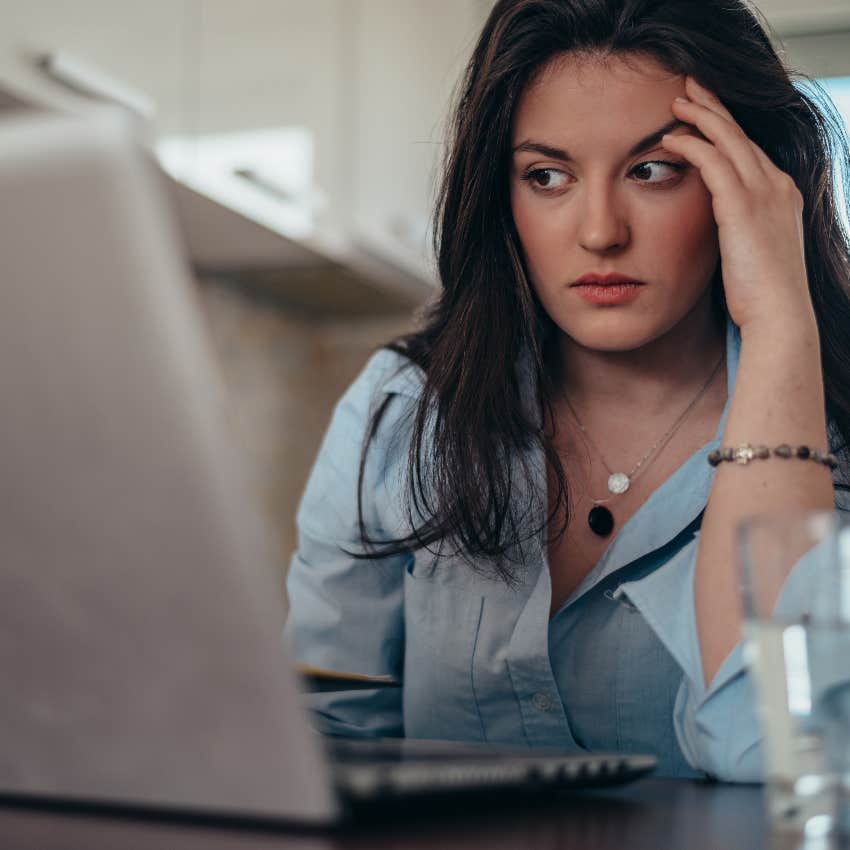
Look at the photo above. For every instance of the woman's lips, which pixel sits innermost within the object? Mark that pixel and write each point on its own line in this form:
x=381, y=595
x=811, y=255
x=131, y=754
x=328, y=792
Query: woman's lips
x=610, y=293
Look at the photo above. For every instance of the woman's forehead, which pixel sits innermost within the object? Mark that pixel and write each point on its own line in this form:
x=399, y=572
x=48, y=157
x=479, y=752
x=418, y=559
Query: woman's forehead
x=589, y=68
x=587, y=100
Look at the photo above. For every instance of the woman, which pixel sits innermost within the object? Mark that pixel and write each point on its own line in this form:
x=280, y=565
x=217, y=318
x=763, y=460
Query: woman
x=513, y=509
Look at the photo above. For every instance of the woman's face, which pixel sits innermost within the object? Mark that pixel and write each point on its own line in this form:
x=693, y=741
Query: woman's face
x=586, y=200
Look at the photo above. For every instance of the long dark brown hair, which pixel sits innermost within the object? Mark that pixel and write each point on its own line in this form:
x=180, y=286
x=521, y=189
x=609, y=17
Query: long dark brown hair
x=471, y=431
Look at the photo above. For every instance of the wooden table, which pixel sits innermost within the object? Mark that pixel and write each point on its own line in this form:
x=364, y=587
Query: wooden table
x=655, y=814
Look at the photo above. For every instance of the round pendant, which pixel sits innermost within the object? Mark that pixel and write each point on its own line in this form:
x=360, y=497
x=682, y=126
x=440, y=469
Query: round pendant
x=600, y=520
x=618, y=482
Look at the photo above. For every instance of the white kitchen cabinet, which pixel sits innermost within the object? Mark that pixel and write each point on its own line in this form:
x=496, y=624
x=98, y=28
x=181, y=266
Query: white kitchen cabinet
x=368, y=82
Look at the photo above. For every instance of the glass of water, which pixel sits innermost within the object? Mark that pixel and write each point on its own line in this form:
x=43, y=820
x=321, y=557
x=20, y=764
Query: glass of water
x=795, y=573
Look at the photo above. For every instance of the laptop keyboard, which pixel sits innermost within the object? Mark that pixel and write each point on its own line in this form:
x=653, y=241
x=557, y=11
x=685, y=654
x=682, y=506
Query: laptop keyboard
x=389, y=767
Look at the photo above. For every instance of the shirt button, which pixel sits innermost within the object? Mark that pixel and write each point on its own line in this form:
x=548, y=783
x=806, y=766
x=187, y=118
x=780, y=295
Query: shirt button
x=542, y=702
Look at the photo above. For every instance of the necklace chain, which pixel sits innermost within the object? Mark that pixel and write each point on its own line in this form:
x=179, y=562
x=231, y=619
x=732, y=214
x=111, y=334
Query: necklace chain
x=659, y=444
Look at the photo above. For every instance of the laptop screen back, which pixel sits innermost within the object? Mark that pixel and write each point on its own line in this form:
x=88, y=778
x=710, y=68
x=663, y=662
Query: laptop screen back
x=140, y=611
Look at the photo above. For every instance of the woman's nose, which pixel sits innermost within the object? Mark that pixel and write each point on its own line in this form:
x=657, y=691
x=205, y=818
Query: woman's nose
x=603, y=222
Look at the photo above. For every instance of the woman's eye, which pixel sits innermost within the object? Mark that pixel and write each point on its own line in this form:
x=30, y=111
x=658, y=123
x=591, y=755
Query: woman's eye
x=645, y=170
x=547, y=179
x=654, y=173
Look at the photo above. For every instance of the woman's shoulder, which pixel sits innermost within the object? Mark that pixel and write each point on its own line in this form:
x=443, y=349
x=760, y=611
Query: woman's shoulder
x=388, y=372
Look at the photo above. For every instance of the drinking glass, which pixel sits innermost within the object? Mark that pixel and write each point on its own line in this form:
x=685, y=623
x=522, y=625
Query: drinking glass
x=795, y=573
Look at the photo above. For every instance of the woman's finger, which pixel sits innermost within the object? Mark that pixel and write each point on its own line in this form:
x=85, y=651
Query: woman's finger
x=701, y=94
x=727, y=136
x=716, y=170
x=696, y=91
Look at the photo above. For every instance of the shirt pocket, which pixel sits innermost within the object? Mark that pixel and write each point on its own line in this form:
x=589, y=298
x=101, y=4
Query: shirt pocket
x=442, y=613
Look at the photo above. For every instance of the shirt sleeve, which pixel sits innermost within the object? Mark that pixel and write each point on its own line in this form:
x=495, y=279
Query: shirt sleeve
x=717, y=726
x=346, y=613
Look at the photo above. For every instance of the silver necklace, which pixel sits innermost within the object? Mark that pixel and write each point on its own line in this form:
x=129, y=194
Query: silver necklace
x=600, y=519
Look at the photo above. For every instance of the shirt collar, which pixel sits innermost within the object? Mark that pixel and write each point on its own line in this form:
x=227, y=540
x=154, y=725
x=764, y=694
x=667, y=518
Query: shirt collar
x=674, y=506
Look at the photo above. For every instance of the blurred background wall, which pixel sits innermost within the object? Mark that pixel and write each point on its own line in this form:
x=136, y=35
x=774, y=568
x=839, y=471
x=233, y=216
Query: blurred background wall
x=319, y=252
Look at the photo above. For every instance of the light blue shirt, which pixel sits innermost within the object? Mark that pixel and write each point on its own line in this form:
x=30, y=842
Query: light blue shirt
x=617, y=668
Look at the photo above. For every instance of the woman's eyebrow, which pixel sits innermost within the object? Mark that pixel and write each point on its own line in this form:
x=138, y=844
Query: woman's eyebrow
x=654, y=138
x=558, y=153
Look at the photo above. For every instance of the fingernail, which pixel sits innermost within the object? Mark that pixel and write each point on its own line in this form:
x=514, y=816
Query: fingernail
x=683, y=100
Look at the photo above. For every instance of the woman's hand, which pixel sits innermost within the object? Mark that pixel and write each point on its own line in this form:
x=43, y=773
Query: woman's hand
x=759, y=215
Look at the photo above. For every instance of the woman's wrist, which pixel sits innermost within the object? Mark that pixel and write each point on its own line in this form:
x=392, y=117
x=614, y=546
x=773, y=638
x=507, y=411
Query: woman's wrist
x=784, y=325
x=779, y=391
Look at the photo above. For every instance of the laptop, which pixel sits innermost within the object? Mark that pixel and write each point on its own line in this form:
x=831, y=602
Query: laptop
x=141, y=610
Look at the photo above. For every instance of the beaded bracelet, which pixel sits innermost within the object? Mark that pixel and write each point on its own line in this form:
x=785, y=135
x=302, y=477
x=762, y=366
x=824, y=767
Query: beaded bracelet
x=745, y=453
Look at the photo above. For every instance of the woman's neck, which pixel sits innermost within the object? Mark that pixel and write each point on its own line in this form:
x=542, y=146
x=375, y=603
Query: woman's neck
x=646, y=382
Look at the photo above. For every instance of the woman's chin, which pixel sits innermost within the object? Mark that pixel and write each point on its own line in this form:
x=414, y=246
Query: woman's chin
x=616, y=338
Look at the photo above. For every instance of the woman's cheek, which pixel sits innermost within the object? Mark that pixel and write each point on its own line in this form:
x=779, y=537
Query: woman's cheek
x=528, y=233
x=683, y=231
x=545, y=243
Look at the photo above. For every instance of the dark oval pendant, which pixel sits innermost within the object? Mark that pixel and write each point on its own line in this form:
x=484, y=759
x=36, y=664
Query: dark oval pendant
x=600, y=520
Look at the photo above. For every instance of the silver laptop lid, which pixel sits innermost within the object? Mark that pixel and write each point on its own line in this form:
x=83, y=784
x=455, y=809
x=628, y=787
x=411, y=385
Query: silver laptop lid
x=140, y=611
